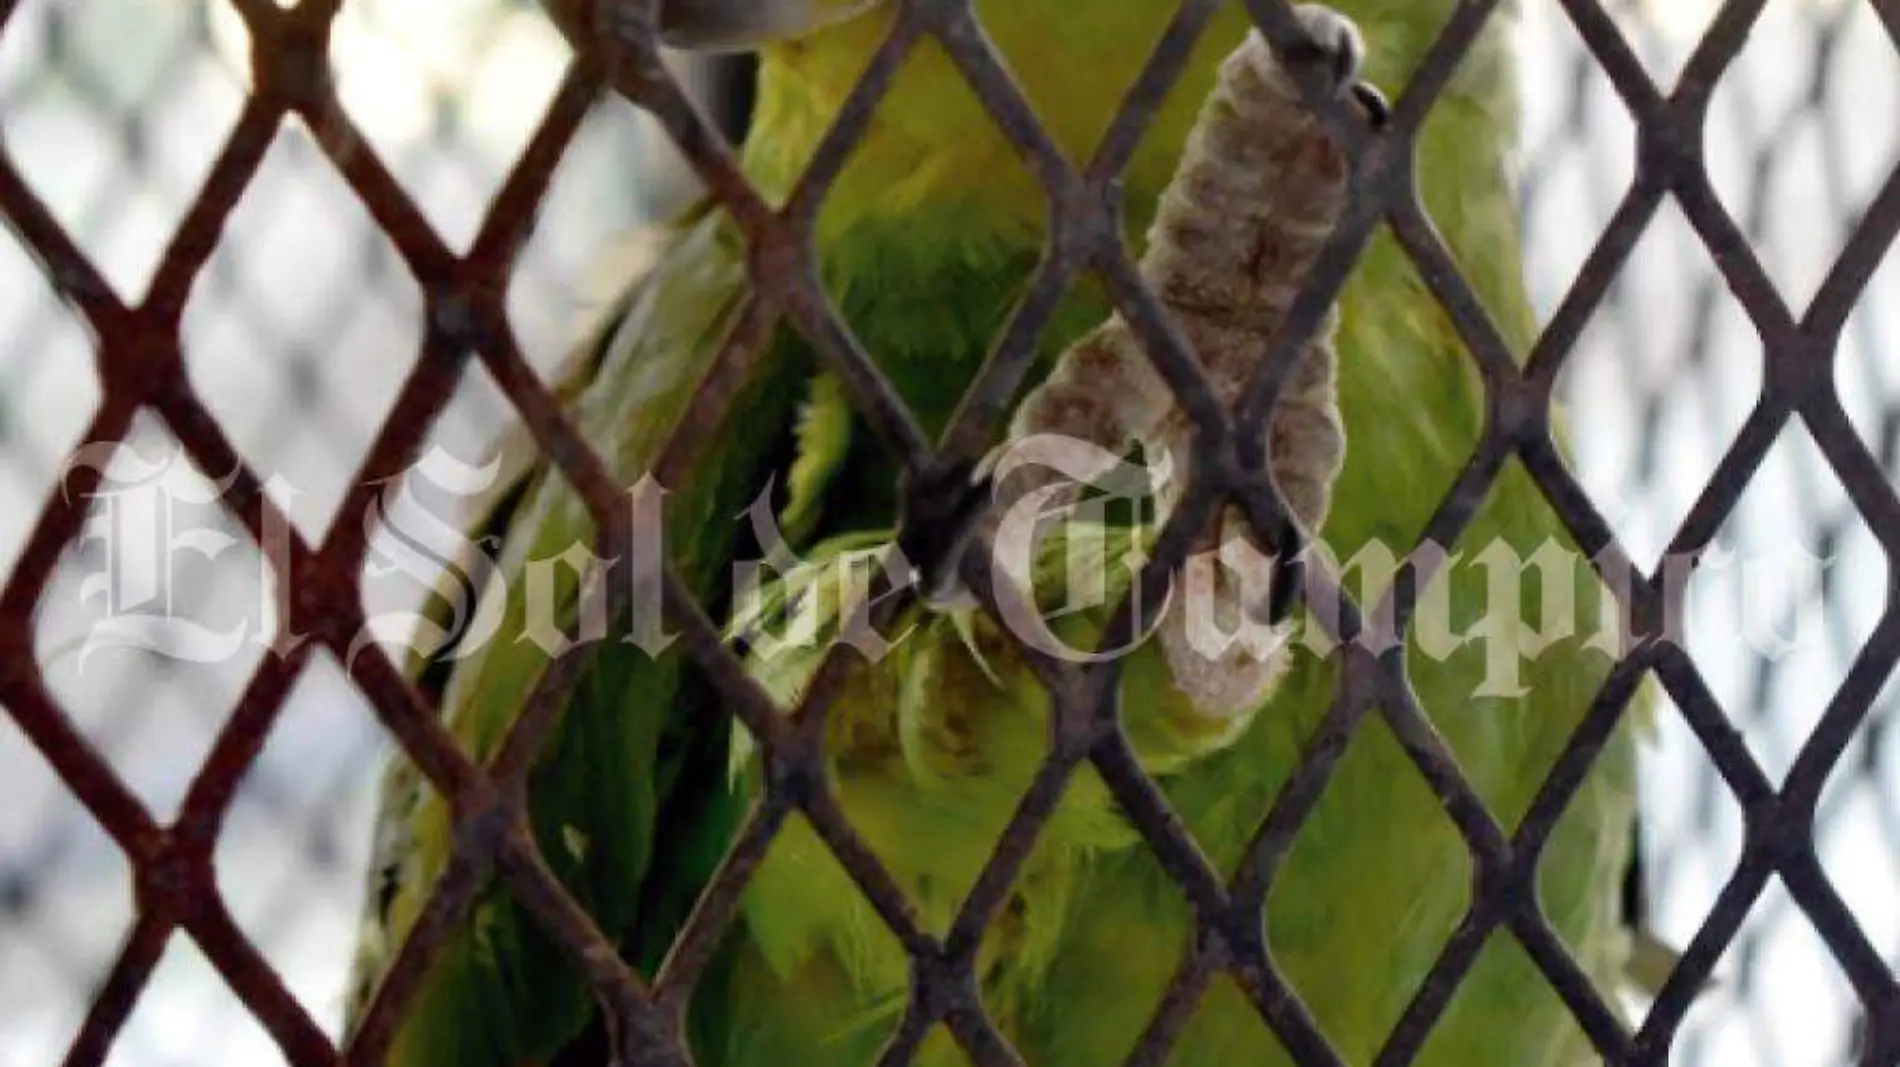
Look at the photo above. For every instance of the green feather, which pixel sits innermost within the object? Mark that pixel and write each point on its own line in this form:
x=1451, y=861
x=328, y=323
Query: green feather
x=927, y=242
x=824, y=440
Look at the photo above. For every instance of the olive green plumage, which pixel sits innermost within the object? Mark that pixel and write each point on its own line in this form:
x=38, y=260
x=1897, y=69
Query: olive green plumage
x=926, y=243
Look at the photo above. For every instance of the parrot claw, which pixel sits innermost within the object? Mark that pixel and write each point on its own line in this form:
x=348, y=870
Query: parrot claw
x=1221, y=676
x=949, y=598
x=1333, y=42
x=963, y=621
x=943, y=509
x=1373, y=102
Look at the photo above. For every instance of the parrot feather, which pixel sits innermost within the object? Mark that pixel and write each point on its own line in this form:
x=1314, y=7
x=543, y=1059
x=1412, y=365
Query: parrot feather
x=927, y=242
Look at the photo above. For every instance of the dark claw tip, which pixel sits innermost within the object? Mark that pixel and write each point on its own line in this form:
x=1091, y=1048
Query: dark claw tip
x=942, y=512
x=1373, y=102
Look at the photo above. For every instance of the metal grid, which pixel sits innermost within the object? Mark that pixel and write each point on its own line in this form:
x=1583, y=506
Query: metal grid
x=141, y=366
x=1663, y=380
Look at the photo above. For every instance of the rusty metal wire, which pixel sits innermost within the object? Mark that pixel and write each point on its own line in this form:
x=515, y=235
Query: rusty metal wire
x=466, y=328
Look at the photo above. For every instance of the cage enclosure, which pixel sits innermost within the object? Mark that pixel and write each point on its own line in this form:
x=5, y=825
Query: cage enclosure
x=273, y=279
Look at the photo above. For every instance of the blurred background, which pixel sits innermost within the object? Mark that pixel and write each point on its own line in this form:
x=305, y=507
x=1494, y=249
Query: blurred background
x=305, y=323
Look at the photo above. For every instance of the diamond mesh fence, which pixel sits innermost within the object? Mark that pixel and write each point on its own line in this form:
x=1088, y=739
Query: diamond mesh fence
x=257, y=275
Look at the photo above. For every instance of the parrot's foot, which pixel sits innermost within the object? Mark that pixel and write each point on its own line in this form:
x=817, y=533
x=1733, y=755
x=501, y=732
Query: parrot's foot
x=1333, y=44
x=1336, y=47
x=943, y=510
x=1221, y=645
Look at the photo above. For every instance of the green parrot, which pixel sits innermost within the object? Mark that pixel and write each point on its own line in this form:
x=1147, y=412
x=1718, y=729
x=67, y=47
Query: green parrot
x=926, y=243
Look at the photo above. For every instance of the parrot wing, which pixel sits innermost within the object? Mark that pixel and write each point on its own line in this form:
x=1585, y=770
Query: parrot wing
x=637, y=766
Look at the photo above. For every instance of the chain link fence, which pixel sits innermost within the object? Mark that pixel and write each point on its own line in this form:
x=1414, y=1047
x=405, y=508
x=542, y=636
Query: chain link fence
x=129, y=126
